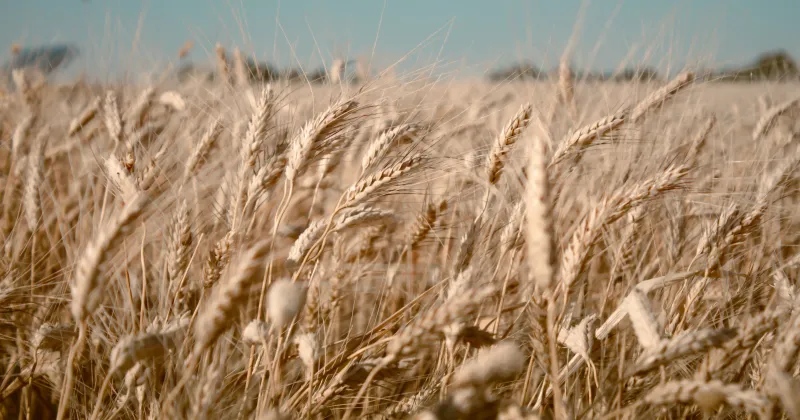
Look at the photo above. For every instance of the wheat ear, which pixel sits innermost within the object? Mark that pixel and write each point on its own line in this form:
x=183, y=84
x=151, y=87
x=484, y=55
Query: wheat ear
x=216, y=315
x=540, y=239
x=686, y=344
x=585, y=136
x=378, y=148
x=311, y=138
x=766, y=122
x=707, y=395
x=85, y=117
x=505, y=141
x=112, y=118
x=660, y=96
x=195, y=161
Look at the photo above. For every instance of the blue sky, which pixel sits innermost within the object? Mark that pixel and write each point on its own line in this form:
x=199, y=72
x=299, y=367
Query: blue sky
x=461, y=37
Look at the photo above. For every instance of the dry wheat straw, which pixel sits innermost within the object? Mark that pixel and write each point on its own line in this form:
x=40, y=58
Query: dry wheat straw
x=263, y=181
x=133, y=349
x=241, y=74
x=786, y=388
x=699, y=140
x=53, y=337
x=178, y=250
x=608, y=211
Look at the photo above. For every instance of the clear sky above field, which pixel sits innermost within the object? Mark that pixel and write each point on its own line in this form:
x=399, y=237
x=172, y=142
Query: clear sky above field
x=465, y=37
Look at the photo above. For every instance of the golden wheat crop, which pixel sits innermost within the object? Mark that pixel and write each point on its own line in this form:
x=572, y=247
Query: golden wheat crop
x=399, y=248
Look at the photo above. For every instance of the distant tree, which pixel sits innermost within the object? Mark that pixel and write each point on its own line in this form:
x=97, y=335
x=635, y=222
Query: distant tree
x=522, y=71
x=261, y=70
x=188, y=72
x=46, y=59
x=641, y=74
x=526, y=71
x=775, y=65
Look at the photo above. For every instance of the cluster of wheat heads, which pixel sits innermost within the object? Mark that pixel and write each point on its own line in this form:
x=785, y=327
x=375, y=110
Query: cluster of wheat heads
x=404, y=249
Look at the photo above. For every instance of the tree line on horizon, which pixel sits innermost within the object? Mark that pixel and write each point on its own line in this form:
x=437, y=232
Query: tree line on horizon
x=771, y=66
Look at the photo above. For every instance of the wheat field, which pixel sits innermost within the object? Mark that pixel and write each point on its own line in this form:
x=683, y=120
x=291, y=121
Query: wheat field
x=399, y=248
